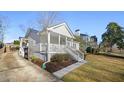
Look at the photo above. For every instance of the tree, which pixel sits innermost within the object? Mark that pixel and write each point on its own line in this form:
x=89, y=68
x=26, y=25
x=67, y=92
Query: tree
x=23, y=27
x=112, y=35
x=81, y=42
x=120, y=44
x=16, y=42
x=3, y=26
x=106, y=40
x=47, y=19
x=1, y=44
x=120, y=41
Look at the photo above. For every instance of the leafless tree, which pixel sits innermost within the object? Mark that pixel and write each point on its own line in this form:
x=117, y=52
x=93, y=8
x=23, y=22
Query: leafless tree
x=47, y=19
x=3, y=27
x=23, y=27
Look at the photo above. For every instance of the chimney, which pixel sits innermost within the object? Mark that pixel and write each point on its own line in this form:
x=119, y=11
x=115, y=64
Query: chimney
x=77, y=32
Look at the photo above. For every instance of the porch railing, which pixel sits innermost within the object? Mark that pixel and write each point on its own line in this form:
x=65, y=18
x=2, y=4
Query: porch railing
x=57, y=47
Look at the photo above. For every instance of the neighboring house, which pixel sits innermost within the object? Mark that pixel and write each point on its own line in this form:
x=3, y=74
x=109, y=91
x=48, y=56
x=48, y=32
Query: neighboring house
x=77, y=32
x=55, y=39
x=9, y=44
x=89, y=41
x=84, y=37
x=93, y=42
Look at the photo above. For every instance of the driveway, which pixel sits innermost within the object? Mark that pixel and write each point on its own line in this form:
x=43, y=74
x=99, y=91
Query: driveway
x=14, y=68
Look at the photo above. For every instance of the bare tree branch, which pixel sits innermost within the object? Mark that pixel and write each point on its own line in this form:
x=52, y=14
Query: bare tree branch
x=23, y=27
x=3, y=27
x=47, y=19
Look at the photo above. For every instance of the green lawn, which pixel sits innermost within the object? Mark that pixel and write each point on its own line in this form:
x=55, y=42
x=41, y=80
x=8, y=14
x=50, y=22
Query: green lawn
x=99, y=68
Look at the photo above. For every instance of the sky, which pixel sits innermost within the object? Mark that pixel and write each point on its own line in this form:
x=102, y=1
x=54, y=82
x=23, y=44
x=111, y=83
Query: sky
x=91, y=23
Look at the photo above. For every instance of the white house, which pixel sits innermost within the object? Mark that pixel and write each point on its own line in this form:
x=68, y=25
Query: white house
x=55, y=39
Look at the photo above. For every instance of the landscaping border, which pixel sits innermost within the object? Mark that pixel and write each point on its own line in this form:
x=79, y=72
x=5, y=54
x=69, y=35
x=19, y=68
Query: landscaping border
x=111, y=55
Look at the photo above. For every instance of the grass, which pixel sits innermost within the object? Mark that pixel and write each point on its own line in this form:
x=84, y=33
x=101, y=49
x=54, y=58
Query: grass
x=99, y=68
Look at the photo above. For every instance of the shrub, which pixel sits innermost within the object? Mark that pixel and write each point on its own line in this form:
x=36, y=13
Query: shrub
x=96, y=51
x=59, y=61
x=14, y=48
x=33, y=58
x=89, y=50
x=60, y=58
x=16, y=42
x=66, y=57
x=92, y=50
x=37, y=61
x=56, y=58
x=17, y=47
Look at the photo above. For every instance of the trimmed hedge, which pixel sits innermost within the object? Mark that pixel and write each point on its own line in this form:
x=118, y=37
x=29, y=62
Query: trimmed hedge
x=59, y=61
x=60, y=58
x=92, y=50
x=89, y=49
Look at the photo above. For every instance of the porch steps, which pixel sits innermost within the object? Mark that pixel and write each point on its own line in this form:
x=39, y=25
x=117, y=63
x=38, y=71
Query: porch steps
x=75, y=54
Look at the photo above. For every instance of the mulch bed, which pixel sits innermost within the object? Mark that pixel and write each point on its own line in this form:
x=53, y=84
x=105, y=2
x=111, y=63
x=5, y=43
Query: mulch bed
x=55, y=66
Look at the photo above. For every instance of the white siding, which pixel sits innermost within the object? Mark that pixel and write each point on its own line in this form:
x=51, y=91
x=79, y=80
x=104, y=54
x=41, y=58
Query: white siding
x=62, y=30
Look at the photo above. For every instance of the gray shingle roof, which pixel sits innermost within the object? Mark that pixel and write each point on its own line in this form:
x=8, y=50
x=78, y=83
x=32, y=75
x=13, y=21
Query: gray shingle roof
x=34, y=34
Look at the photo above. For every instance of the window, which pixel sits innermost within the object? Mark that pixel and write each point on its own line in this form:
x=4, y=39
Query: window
x=62, y=40
x=74, y=45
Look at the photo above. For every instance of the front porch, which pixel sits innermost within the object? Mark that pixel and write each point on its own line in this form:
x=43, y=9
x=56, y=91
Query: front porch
x=55, y=43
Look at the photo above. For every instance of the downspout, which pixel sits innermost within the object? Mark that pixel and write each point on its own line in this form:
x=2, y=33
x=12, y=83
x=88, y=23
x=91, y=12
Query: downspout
x=43, y=66
x=47, y=51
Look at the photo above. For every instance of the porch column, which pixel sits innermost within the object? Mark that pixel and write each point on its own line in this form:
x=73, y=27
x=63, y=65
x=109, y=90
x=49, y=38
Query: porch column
x=59, y=40
x=40, y=46
x=48, y=45
x=66, y=41
x=71, y=42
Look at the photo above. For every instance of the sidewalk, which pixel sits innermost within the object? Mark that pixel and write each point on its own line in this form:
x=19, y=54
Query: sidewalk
x=59, y=74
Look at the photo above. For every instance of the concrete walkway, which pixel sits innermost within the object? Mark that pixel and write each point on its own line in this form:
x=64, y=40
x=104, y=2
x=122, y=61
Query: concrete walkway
x=13, y=68
x=59, y=74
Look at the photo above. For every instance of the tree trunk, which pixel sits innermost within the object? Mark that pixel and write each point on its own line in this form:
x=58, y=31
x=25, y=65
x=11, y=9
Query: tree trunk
x=110, y=49
x=120, y=50
x=105, y=49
